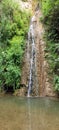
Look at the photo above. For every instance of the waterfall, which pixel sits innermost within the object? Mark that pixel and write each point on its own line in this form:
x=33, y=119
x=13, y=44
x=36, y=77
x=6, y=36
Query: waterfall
x=31, y=55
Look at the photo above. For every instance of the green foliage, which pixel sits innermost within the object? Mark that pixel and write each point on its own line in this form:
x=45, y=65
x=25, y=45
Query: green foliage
x=25, y=0
x=56, y=82
x=13, y=33
x=51, y=20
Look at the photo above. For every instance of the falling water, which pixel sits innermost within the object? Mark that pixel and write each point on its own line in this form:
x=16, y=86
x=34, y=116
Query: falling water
x=31, y=56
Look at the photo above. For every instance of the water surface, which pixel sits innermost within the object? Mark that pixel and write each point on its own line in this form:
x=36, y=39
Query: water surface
x=29, y=113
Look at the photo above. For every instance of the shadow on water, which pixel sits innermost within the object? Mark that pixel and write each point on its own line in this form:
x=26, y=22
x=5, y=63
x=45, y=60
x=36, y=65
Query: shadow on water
x=29, y=113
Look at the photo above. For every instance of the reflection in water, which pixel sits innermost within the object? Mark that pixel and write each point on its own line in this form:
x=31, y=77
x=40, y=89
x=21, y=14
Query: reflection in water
x=29, y=114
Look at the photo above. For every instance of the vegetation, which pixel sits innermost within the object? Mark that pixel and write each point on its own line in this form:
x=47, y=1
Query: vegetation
x=51, y=20
x=13, y=33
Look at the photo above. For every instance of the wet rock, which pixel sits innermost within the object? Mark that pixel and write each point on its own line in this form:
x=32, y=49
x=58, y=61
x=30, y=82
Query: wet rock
x=21, y=92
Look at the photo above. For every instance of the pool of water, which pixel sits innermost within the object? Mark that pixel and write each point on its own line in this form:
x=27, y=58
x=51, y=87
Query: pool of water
x=29, y=113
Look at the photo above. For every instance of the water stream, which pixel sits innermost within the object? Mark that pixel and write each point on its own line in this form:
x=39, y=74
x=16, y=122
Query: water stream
x=31, y=55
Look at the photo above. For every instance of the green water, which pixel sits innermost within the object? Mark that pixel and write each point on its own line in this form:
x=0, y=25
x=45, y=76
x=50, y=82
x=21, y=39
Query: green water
x=29, y=114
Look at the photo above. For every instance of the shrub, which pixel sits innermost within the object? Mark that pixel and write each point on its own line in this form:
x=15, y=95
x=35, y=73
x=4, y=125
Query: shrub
x=13, y=34
x=51, y=20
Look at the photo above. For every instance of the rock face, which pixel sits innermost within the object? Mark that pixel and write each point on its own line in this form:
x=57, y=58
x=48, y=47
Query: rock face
x=20, y=92
x=42, y=85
